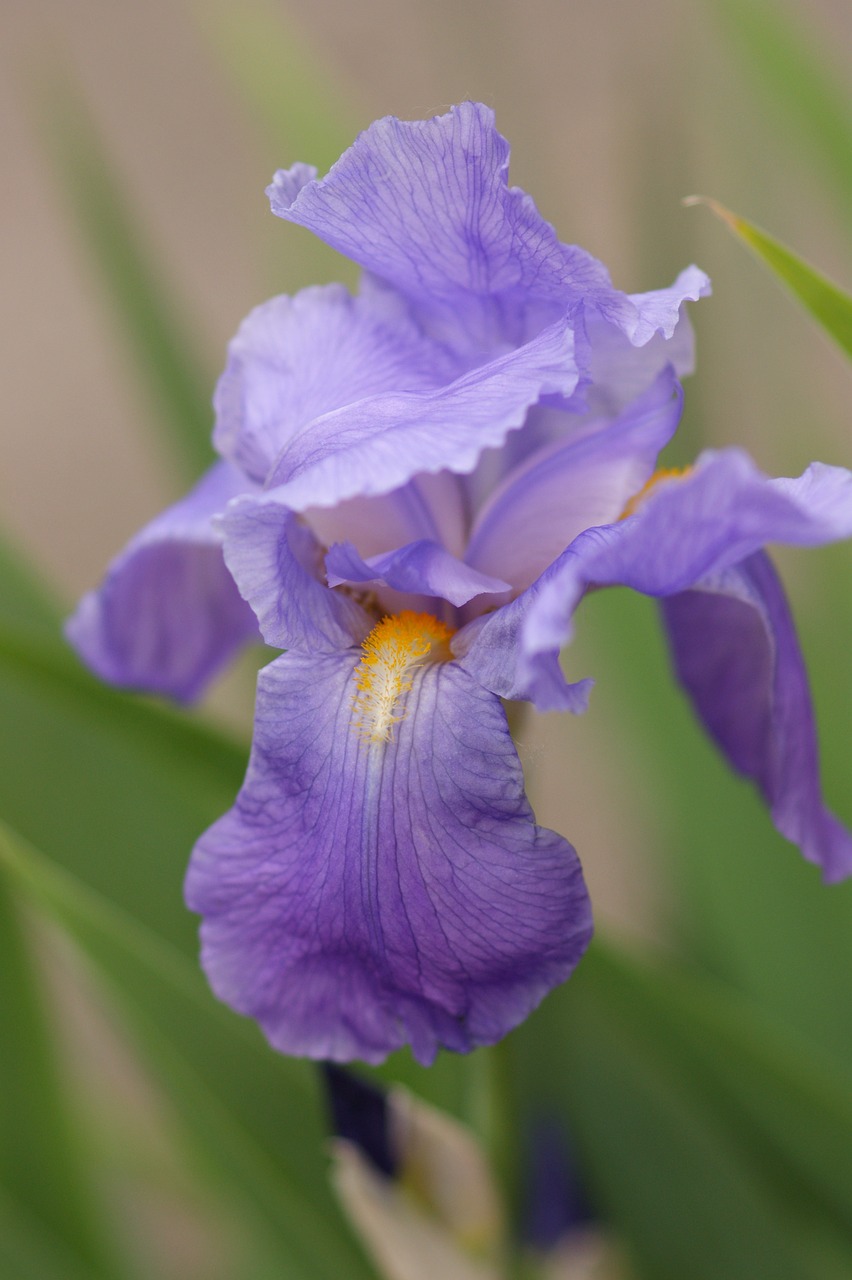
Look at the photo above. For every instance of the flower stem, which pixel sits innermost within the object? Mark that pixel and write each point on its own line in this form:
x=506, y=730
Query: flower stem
x=493, y=1116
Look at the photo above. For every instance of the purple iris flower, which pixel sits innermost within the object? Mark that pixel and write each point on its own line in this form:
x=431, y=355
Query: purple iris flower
x=418, y=484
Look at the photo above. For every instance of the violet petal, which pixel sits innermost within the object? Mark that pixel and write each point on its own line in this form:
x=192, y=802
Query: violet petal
x=168, y=615
x=735, y=650
x=277, y=564
x=360, y=896
x=421, y=568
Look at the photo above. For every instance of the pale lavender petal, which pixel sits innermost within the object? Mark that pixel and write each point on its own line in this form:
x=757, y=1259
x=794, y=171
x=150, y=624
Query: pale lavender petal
x=491, y=649
x=427, y=507
x=277, y=564
x=168, y=615
x=571, y=486
x=363, y=896
x=446, y=497
x=620, y=371
x=659, y=312
x=735, y=650
x=425, y=205
x=380, y=443
x=613, y=374
x=686, y=529
x=289, y=182
x=295, y=359
x=420, y=568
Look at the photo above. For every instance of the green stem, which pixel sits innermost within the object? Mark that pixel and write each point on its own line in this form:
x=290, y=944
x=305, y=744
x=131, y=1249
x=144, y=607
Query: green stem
x=492, y=1114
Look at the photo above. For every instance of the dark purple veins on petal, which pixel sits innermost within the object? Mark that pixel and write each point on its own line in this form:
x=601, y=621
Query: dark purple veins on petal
x=361, y=896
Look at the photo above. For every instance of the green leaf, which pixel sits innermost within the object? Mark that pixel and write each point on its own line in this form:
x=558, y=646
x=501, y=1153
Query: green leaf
x=290, y=90
x=301, y=113
x=788, y=1110
x=255, y=1115
x=44, y=1172
x=780, y=55
x=27, y=1251
x=25, y=601
x=114, y=787
x=157, y=338
x=116, y=790
x=749, y=909
x=828, y=304
x=684, y=1139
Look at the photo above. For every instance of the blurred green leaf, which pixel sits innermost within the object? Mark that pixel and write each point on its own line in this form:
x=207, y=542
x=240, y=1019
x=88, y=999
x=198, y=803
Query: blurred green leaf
x=451, y=1083
x=790, y=1112
x=295, y=99
x=675, y=1105
x=157, y=338
x=780, y=55
x=44, y=1172
x=828, y=304
x=292, y=93
x=130, y=786
x=255, y=1115
x=28, y=1253
x=25, y=601
x=749, y=909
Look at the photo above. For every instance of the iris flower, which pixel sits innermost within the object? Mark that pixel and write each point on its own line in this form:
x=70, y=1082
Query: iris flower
x=417, y=485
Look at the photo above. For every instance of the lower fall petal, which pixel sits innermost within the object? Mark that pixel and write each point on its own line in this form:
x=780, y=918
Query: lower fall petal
x=683, y=531
x=168, y=615
x=364, y=894
x=735, y=651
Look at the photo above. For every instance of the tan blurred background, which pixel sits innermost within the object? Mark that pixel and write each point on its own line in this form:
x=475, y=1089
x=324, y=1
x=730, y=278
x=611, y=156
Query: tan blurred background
x=615, y=110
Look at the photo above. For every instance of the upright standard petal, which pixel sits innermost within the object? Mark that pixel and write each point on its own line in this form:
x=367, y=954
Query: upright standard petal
x=659, y=311
x=368, y=892
x=586, y=480
x=426, y=206
x=619, y=369
x=381, y=443
x=168, y=616
x=734, y=648
x=429, y=506
x=295, y=359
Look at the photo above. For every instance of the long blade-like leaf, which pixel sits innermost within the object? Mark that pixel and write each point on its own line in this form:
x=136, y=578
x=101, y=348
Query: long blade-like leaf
x=28, y=1251
x=44, y=1171
x=830, y=305
x=687, y=1161
x=25, y=601
x=301, y=115
x=292, y=94
x=114, y=787
x=229, y=1089
x=792, y=1112
x=157, y=338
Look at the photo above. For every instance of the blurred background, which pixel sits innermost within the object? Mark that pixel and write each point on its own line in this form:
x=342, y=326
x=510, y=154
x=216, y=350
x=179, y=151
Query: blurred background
x=615, y=111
